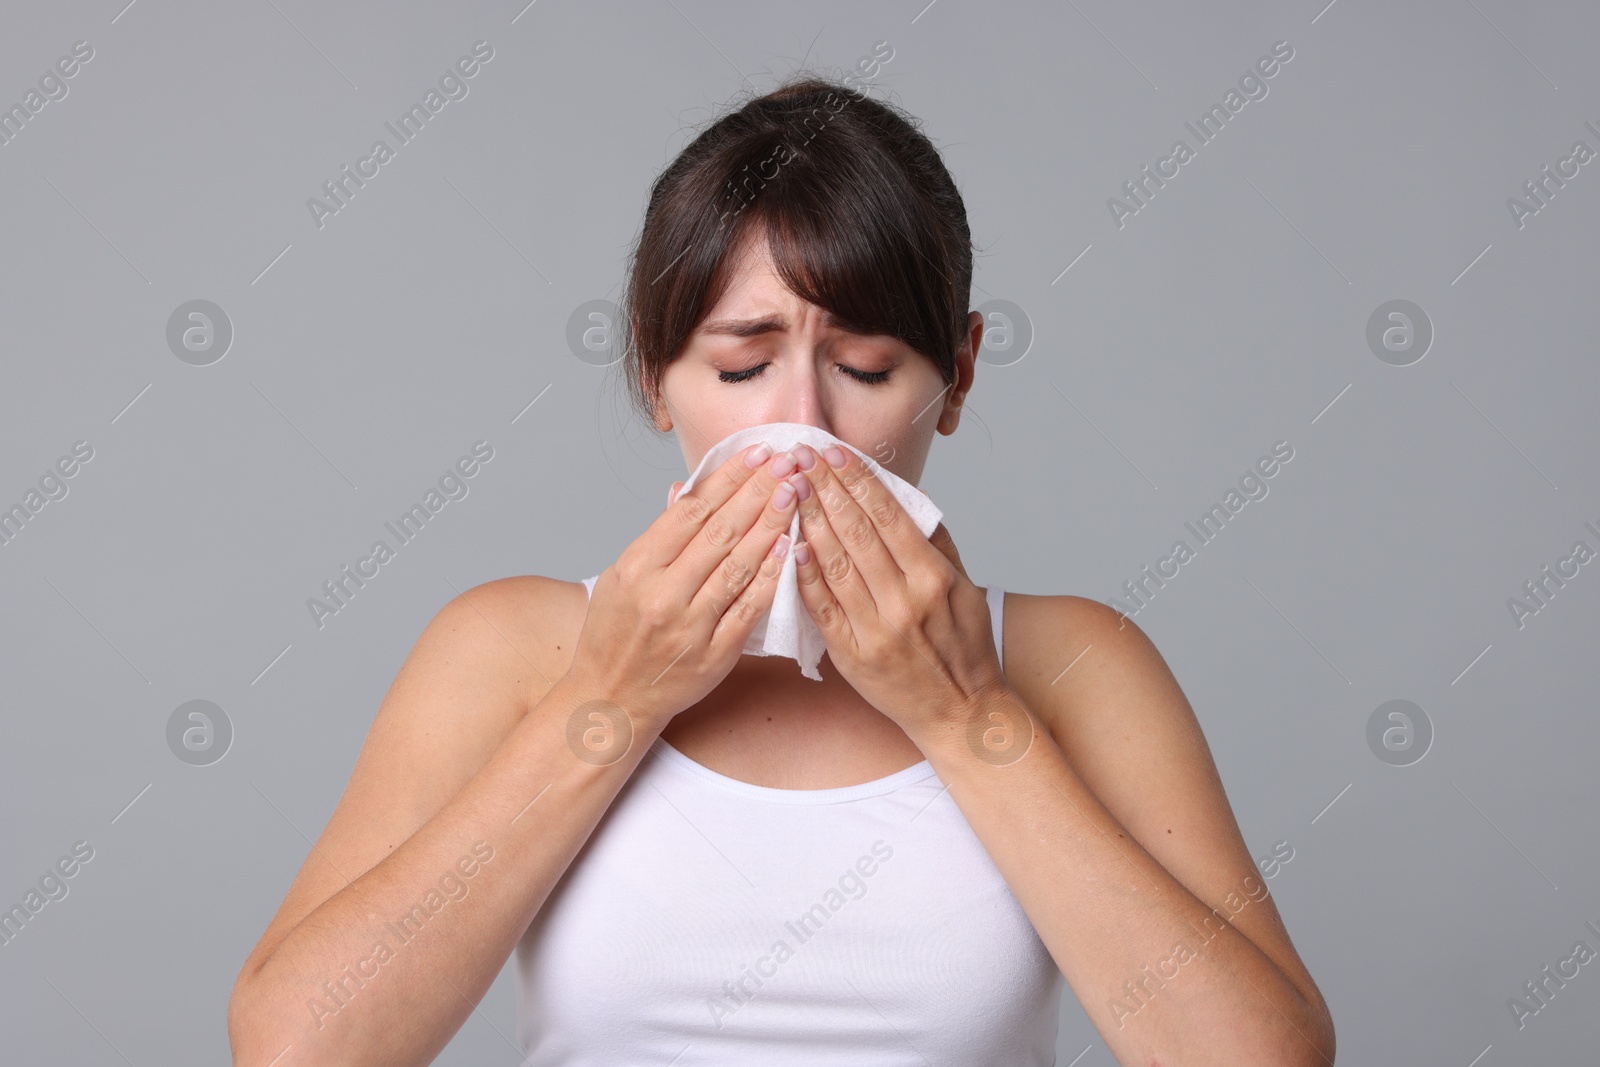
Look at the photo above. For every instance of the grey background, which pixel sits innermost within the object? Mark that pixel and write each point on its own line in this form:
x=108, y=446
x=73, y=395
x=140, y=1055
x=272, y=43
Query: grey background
x=1230, y=313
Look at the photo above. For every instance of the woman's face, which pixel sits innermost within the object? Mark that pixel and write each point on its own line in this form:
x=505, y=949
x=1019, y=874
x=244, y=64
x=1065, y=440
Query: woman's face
x=763, y=354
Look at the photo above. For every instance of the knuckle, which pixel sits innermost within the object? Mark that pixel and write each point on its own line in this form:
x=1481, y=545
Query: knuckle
x=774, y=521
x=735, y=574
x=654, y=612
x=826, y=617
x=694, y=509
x=744, y=609
x=761, y=482
x=837, y=569
x=770, y=566
x=855, y=483
x=761, y=569
x=857, y=534
x=719, y=531
x=735, y=475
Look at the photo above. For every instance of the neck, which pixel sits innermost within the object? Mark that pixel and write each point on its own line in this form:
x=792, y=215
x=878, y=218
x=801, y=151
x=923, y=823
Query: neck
x=763, y=687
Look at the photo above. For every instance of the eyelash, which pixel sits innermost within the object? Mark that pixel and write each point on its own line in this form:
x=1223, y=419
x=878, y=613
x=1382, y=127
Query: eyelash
x=877, y=377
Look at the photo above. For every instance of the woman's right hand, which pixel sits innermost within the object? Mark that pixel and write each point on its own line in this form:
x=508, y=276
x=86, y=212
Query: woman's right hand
x=668, y=621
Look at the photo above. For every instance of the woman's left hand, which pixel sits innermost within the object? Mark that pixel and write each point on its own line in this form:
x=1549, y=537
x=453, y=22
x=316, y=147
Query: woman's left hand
x=903, y=623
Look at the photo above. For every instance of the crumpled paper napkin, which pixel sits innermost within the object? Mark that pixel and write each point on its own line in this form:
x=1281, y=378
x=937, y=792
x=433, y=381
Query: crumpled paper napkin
x=787, y=629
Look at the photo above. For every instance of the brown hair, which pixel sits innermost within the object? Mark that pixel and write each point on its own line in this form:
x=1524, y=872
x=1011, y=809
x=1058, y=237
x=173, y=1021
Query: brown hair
x=862, y=218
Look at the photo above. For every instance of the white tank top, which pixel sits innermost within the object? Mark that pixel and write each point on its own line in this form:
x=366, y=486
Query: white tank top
x=709, y=921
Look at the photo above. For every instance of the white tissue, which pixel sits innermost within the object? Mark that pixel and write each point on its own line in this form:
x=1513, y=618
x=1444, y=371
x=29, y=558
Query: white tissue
x=788, y=630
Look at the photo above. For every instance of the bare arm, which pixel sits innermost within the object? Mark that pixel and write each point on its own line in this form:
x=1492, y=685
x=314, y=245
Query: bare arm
x=381, y=950
x=1116, y=836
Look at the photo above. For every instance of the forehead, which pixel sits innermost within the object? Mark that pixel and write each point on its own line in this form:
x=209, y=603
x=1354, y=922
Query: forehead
x=757, y=300
x=751, y=272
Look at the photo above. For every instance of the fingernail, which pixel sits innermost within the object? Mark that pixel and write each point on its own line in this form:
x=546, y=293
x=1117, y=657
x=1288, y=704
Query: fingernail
x=783, y=496
x=782, y=465
x=757, y=456
x=802, y=553
x=802, y=485
x=781, y=547
x=835, y=456
x=805, y=457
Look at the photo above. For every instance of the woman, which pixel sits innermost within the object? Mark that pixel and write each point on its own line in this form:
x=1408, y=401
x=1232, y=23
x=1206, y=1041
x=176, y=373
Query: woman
x=701, y=857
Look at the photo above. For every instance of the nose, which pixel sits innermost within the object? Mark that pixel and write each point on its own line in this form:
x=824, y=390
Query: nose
x=800, y=400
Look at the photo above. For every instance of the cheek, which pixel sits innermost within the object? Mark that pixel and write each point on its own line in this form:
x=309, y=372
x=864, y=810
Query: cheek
x=900, y=424
x=891, y=440
x=886, y=449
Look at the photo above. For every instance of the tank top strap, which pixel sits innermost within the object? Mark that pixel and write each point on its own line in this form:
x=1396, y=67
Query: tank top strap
x=997, y=611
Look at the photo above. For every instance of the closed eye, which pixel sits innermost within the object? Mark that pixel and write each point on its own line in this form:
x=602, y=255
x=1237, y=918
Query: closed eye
x=866, y=377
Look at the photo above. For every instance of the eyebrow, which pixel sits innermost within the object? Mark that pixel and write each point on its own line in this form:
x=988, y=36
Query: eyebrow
x=770, y=324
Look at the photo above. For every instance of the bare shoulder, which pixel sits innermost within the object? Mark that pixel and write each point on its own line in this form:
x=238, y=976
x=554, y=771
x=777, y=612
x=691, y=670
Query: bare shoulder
x=524, y=624
x=1109, y=699
x=1047, y=638
x=486, y=657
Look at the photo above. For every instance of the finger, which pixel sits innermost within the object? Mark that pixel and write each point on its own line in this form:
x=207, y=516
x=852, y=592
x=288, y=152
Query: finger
x=741, y=560
x=831, y=564
x=693, y=508
x=708, y=560
x=672, y=494
x=820, y=603
x=901, y=536
x=854, y=503
x=755, y=600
